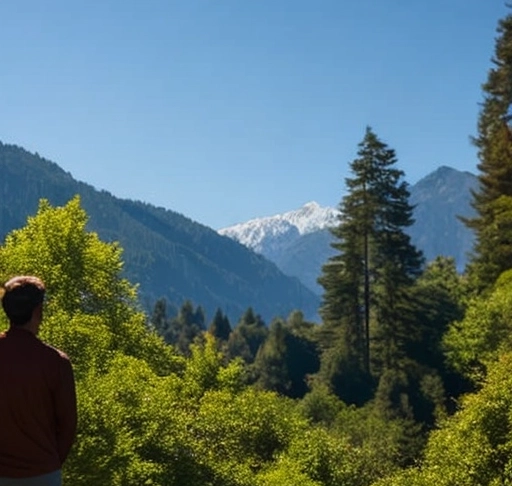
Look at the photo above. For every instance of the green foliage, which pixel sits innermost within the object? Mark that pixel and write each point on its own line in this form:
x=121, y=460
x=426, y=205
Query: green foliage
x=87, y=339
x=323, y=457
x=220, y=326
x=340, y=371
x=270, y=363
x=248, y=430
x=334, y=458
x=149, y=416
x=303, y=353
x=476, y=341
x=376, y=444
x=91, y=310
x=182, y=330
x=82, y=273
x=366, y=282
x=320, y=405
x=159, y=318
x=206, y=370
x=420, y=382
x=381, y=443
x=286, y=358
x=493, y=201
x=247, y=337
x=474, y=447
x=285, y=472
x=114, y=427
x=439, y=296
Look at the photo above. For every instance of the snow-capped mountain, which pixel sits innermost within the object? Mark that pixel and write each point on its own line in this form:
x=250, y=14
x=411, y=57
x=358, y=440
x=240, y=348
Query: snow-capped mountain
x=271, y=234
x=298, y=242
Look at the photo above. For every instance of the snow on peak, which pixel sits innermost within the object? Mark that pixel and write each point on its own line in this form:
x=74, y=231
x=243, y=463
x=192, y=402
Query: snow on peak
x=311, y=217
x=257, y=233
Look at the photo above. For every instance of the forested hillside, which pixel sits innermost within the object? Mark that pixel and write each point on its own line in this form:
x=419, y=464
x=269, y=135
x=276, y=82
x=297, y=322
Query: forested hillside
x=167, y=254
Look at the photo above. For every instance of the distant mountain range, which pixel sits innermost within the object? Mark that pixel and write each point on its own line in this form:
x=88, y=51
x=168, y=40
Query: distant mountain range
x=272, y=266
x=298, y=241
x=167, y=254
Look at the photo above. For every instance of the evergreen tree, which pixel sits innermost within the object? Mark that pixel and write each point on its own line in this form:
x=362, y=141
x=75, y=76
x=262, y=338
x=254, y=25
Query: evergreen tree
x=365, y=283
x=248, y=336
x=287, y=357
x=270, y=363
x=303, y=353
x=220, y=326
x=185, y=327
x=199, y=318
x=492, y=252
x=158, y=317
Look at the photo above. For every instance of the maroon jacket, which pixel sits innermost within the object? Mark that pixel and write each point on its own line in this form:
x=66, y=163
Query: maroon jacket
x=37, y=405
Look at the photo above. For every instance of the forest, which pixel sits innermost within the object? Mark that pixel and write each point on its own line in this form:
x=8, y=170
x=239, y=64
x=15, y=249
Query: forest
x=405, y=381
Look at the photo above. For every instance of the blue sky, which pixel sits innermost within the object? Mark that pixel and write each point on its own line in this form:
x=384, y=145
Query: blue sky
x=227, y=110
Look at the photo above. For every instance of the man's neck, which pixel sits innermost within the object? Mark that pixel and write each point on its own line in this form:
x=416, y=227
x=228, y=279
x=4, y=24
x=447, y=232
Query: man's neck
x=30, y=327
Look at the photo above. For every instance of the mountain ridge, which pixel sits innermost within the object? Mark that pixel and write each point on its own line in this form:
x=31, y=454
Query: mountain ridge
x=165, y=252
x=438, y=198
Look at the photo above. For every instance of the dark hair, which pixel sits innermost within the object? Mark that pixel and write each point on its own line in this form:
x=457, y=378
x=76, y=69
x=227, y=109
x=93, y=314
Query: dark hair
x=21, y=295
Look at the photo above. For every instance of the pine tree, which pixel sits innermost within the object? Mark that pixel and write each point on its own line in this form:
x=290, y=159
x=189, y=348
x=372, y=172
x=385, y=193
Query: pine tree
x=270, y=363
x=248, y=336
x=220, y=326
x=366, y=281
x=158, y=317
x=287, y=357
x=185, y=327
x=492, y=252
x=396, y=263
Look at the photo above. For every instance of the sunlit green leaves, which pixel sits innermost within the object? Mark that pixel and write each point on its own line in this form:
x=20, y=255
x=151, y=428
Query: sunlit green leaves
x=485, y=332
x=148, y=416
x=474, y=447
x=81, y=272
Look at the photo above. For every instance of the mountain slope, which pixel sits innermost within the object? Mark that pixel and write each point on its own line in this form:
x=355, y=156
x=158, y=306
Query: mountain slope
x=168, y=254
x=439, y=198
x=274, y=235
x=299, y=241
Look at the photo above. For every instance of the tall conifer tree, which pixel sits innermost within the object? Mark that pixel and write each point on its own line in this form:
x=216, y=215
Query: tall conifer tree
x=220, y=326
x=364, y=282
x=492, y=253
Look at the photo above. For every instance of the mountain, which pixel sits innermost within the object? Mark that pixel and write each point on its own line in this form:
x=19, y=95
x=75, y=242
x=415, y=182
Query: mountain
x=274, y=235
x=299, y=241
x=166, y=253
x=439, y=198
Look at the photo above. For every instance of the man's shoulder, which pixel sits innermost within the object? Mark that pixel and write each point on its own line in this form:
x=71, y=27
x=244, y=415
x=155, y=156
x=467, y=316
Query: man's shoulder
x=54, y=352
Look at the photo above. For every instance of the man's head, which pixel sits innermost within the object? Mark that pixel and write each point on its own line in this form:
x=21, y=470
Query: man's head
x=21, y=296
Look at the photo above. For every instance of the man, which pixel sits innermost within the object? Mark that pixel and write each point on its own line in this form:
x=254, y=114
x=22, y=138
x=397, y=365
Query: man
x=37, y=393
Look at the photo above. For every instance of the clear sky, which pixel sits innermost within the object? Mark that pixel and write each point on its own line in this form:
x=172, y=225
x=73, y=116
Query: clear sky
x=225, y=110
